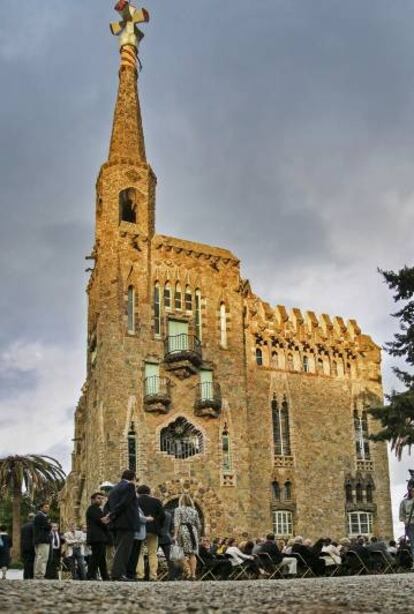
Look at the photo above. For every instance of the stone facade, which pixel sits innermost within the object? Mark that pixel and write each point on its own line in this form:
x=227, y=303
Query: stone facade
x=201, y=386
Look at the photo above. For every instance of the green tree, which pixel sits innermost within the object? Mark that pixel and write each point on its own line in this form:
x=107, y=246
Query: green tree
x=397, y=414
x=28, y=476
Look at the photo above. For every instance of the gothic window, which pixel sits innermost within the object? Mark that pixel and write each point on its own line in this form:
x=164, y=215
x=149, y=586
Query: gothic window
x=177, y=296
x=334, y=368
x=319, y=365
x=275, y=360
x=167, y=295
x=127, y=206
x=282, y=523
x=131, y=309
x=360, y=523
x=188, y=299
x=290, y=365
x=288, y=491
x=157, y=309
x=226, y=450
x=275, y=490
x=181, y=439
x=198, y=314
x=369, y=493
x=223, y=326
x=361, y=435
x=259, y=357
x=132, y=448
x=281, y=435
x=305, y=363
x=349, y=497
x=359, y=493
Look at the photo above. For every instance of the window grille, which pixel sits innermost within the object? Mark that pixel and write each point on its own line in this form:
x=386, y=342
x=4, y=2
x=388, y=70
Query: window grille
x=282, y=523
x=181, y=439
x=360, y=523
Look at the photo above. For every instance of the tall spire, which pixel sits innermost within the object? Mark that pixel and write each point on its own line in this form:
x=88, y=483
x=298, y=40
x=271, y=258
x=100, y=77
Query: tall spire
x=127, y=140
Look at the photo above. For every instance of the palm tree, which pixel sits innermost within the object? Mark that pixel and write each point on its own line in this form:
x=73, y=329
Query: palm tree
x=29, y=474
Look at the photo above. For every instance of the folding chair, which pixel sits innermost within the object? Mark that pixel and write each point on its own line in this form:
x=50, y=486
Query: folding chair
x=239, y=572
x=356, y=563
x=204, y=571
x=385, y=565
x=274, y=569
x=303, y=566
x=331, y=570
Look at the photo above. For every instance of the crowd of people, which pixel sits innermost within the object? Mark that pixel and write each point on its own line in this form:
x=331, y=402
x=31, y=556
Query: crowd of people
x=130, y=522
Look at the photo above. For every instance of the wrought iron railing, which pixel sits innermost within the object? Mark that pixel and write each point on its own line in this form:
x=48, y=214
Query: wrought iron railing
x=208, y=396
x=155, y=386
x=183, y=346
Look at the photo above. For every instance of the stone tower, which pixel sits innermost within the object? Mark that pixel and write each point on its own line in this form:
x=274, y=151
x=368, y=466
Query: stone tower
x=258, y=412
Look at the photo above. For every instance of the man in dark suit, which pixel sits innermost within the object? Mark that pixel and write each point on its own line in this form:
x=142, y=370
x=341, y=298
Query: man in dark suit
x=151, y=506
x=27, y=550
x=122, y=505
x=55, y=553
x=97, y=537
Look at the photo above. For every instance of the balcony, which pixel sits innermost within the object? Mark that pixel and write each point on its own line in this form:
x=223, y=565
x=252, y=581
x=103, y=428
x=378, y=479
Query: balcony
x=182, y=354
x=157, y=395
x=208, y=399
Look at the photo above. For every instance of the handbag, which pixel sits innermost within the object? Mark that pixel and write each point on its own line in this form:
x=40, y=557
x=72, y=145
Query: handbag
x=176, y=553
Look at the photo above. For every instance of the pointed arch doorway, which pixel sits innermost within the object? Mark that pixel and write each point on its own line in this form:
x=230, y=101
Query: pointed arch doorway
x=171, y=506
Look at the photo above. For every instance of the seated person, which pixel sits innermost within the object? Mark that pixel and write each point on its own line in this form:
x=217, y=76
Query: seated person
x=238, y=558
x=219, y=566
x=269, y=547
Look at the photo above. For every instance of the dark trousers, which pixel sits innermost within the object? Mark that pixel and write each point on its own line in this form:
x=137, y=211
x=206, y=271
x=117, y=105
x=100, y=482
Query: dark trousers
x=123, y=541
x=28, y=558
x=77, y=565
x=173, y=570
x=131, y=571
x=53, y=564
x=97, y=560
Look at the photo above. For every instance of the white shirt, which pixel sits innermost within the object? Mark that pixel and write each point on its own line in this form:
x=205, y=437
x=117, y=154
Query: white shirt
x=55, y=540
x=237, y=556
x=75, y=539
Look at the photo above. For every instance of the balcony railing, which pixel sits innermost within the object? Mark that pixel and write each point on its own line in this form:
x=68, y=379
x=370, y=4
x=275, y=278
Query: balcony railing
x=208, y=399
x=183, y=347
x=157, y=395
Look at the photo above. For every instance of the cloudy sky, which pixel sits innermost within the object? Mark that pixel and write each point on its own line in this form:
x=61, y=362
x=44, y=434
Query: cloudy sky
x=281, y=129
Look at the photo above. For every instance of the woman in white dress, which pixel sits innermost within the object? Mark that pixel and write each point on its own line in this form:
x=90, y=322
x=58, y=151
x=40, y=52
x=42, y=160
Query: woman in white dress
x=187, y=527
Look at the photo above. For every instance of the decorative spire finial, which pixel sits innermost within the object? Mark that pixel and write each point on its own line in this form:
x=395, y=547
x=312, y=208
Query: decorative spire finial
x=127, y=30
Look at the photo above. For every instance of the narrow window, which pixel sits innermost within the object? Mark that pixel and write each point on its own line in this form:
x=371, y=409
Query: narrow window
x=157, y=310
x=306, y=364
x=167, y=295
x=188, y=299
x=132, y=448
x=151, y=379
x=361, y=435
x=319, y=366
x=275, y=490
x=275, y=360
x=259, y=357
x=334, y=368
x=290, y=362
x=206, y=385
x=284, y=422
x=226, y=450
x=349, y=496
x=127, y=206
x=198, y=326
x=359, y=493
x=288, y=491
x=131, y=309
x=178, y=340
x=177, y=296
x=369, y=492
x=277, y=435
x=223, y=326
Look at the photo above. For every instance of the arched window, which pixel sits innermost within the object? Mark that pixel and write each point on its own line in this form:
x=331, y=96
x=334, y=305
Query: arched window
x=305, y=363
x=275, y=360
x=188, y=299
x=275, y=491
x=223, y=325
x=319, y=366
x=157, y=309
x=127, y=206
x=131, y=309
x=359, y=493
x=167, y=294
x=259, y=356
x=290, y=364
x=334, y=368
x=288, y=491
x=349, y=496
x=226, y=450
x=132, y=448
x=280, y=422
x=198, y=326
x=369, y=493
x=177, y=296
x=181, y=439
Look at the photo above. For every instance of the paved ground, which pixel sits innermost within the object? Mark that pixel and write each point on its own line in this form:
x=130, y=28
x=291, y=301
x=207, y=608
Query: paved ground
x=392, y=593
